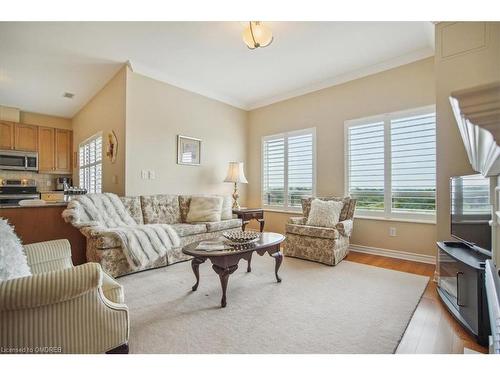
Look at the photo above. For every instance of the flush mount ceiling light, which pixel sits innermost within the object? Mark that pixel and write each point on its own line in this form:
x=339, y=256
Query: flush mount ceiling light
x=257, y=35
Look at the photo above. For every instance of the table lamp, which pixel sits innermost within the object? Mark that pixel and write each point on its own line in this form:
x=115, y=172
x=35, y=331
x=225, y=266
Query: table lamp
x=235, y=174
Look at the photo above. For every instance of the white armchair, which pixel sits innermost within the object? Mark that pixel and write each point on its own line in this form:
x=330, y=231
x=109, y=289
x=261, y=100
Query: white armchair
x=62, y=308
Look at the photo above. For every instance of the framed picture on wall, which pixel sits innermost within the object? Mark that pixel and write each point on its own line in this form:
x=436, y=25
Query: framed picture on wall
x=188, y=150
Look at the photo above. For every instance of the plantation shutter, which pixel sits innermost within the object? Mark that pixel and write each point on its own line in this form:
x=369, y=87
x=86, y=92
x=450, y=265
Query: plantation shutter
x=90, y=166
x=413, y=164
x=300, y=168
x=365, y=155
x=82, y=157
x=98, y=165
x=273, y=184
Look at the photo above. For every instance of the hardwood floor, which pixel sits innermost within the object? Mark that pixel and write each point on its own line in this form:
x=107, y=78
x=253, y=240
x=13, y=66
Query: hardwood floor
x=431, y=329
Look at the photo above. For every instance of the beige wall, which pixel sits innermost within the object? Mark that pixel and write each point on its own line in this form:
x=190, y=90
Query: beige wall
x=397, y=89
x=45, y=120
x=106, y=112
x=156, y=114
x=467, y=55
x=14, y=114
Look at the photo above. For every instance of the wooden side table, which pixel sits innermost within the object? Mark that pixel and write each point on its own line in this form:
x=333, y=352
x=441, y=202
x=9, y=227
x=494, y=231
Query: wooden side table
x=247, y=214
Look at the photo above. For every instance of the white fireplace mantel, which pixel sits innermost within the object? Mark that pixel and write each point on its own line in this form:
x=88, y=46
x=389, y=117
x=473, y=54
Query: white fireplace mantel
x=477, y=111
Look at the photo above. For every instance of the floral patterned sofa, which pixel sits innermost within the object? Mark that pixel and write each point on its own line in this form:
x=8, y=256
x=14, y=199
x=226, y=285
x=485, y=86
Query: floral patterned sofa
x=319, y=244
x=154, y=209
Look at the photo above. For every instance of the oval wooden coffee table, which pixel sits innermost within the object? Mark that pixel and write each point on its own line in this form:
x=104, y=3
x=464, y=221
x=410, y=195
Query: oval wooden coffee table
x=225, y=261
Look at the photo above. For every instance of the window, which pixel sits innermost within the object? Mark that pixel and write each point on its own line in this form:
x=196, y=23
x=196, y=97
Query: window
x=288, y=169
x=391, y=164
x=90, y=165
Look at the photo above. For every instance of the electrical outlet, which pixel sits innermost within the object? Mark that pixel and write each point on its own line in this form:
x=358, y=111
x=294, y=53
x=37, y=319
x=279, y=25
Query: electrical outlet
x=392, y=231
x=151, y=175
x=144, y=175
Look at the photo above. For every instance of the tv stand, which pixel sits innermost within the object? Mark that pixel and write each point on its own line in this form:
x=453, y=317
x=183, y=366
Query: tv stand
x=468, y=247
x=461, y=287
x=460, y=244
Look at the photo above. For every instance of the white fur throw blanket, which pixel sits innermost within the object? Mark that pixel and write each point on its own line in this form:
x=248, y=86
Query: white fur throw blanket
x=13, y=263
x=106, y=213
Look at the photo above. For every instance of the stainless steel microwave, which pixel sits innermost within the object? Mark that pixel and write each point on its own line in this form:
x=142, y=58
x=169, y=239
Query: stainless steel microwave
x=18, y=160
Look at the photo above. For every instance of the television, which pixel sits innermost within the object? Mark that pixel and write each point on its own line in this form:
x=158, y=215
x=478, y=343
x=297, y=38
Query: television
x=471, y=211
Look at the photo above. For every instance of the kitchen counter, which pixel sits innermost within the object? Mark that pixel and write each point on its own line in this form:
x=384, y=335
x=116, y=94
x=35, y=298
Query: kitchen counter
x=48, y=204
x=45, y=223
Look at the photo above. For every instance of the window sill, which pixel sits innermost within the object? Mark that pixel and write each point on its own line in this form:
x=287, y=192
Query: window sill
x=281, y=211
x=403, y=220
x=362, y=217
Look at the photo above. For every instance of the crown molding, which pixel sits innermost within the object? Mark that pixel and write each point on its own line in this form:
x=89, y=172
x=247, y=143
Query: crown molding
x=334, y=81
x=129, y=64
x=161, y=77
x=350, y=76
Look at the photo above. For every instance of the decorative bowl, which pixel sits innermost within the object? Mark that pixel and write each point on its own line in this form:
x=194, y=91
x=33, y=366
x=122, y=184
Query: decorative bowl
x=239, y=236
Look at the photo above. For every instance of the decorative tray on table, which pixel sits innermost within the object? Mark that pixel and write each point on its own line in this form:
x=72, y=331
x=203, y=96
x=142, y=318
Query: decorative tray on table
x=239, y=237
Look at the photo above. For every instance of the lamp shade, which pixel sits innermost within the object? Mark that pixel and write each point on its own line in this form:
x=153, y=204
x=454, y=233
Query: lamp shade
x=235, y=172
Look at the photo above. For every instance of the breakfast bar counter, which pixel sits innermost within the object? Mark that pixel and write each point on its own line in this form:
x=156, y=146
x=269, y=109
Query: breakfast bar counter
x=48, y=204
x=45, y=223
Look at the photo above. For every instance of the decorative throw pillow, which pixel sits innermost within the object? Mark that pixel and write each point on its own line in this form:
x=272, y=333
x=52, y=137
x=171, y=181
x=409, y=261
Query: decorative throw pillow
x=13, y=263
x=204, y=209
x=227, y=208
x=348, y=203
x=324, y=213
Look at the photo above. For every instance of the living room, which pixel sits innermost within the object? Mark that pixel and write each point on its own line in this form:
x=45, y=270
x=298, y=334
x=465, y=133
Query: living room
x=217, y=187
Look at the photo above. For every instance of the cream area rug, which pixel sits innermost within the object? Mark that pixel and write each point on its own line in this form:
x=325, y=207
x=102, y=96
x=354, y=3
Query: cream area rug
x=349, y=308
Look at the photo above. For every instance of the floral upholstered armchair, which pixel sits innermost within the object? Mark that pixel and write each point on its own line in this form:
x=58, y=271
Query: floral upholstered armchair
x=320, y=244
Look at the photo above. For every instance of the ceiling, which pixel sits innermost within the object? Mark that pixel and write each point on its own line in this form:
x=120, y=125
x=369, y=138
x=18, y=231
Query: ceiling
x=41, y=60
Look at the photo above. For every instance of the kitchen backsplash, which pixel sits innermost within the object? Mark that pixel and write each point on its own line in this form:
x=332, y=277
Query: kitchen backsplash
x=44, y=182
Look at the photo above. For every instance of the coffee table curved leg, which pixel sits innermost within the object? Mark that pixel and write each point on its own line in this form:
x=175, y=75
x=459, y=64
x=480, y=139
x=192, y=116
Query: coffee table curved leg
x=278, y=257
x=195, y=265
x=224, y=277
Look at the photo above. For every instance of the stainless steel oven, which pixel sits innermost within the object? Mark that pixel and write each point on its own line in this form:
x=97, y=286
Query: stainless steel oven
x=18, y=160
x=13, y=191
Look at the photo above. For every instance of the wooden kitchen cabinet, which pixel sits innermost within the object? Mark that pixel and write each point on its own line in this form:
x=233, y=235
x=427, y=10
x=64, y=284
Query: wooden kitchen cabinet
x=54, y=146
x=6, y=135
x=54, y=150
x=46, y=150
x=25, y=137
x=63, y=150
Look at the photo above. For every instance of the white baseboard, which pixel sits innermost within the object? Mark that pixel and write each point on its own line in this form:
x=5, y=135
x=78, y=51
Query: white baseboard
x=429, y=259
